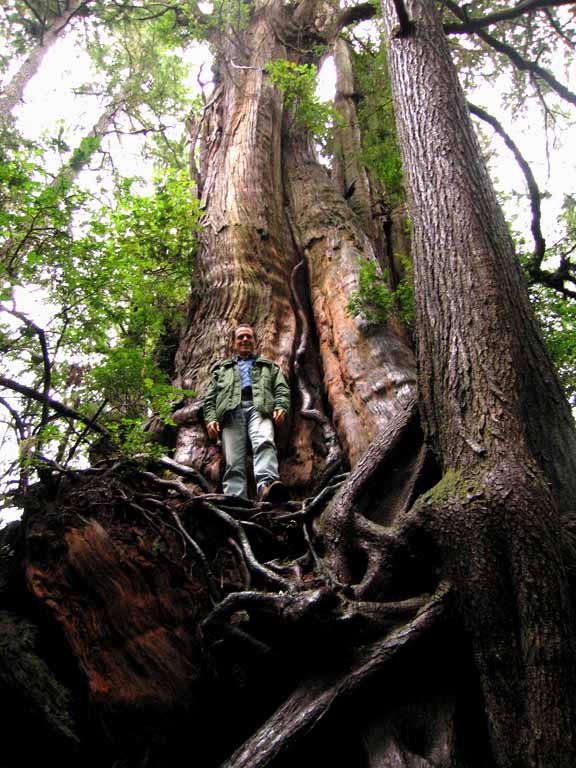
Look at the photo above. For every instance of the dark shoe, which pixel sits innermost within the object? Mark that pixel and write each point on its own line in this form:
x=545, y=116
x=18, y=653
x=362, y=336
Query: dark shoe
x=275, y=492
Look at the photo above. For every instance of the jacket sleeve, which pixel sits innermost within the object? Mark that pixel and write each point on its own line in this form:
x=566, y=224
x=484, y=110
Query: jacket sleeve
x=281, y=390
x=209, y=402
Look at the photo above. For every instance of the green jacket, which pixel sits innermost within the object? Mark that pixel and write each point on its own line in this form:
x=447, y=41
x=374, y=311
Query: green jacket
x=269, y=389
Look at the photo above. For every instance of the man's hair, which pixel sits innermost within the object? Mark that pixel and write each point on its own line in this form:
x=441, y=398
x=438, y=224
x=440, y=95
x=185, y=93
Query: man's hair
x=244, y=325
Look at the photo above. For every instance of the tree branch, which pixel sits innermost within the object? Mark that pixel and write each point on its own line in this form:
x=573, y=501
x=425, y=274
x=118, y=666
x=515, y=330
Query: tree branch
x=534, y=192
x=55, y=405
x=47, y=363
x=85, y=431
x=355, y=14
x=474, y=24
x=182, y=470
x=406, y=24
x=40, y=19
x=555, y=280
x=19, y=426
x=519, y=61
x=559, y=31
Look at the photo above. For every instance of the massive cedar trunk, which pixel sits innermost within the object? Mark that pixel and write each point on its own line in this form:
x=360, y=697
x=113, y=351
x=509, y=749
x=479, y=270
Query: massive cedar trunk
x=289, y=269
x=246, y=256
x=369, y=372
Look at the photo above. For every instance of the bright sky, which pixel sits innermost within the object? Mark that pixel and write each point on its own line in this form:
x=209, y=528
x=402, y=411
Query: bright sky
x=50, y=99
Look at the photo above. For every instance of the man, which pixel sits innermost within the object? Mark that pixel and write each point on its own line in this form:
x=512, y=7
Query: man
x=246, y=397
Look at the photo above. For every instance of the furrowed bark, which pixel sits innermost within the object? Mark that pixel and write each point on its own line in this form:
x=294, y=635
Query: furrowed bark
x=485, y=384
x=247, y=256
x=369, y=372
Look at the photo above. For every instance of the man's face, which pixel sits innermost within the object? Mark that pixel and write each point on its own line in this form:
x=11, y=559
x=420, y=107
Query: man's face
x=244, y=342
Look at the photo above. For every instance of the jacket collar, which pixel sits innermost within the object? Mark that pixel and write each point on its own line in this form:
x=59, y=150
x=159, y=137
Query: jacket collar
x=234, y=360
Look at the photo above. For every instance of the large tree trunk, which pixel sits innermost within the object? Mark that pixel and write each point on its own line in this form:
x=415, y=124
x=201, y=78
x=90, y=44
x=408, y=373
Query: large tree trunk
x=369, y=372
x=263, y=262
x=487, y=392
x=246, y=256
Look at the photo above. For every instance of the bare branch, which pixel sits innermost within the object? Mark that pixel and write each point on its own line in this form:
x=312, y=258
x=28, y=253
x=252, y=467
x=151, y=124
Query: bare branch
x=55, y=405
x=355, y=14
x=40, y=19
x=84, y=432
x=47, y=363
x=519, y=61
x=533, y=190
x=474, y=24
x=559, y=31
x=19, y=426
x=556, y=279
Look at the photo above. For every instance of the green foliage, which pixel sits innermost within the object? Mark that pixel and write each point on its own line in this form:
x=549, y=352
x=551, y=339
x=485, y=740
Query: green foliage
x=557, y=318
x=36, y=211
x=380, y=150
x=298, y=83
x=133, y=385
x=375, y=302
x=111, y=283
x=555, y=310
x=131, y=381
x=110, y=270
x=125, y=269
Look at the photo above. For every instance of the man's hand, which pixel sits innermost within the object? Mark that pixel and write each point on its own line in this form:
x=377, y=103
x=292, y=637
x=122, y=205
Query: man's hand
x=278, y=416
x=213, y=430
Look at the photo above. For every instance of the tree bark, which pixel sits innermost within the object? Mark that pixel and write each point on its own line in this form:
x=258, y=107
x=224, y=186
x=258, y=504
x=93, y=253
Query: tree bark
x=486, y=388
x=252, y=249
x=369, y=373
x=417, y=612
x=348, y=172
x=246, y=255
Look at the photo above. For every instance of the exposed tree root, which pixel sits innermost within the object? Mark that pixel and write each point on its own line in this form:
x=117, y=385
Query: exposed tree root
x=316, y=695
x=369, y=529
x=274, y=604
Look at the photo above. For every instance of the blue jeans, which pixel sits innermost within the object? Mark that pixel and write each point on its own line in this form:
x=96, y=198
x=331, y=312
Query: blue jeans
x=241, y=424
